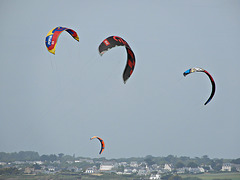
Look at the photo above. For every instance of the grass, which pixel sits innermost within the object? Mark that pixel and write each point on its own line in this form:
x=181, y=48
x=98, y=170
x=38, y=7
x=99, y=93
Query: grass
x=66, y=176
x=74, y=176
x=215, y=176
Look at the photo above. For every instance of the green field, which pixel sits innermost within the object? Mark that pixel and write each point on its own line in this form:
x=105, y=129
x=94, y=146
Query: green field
x=73, y=176
x=68, y=177
x=217, y=176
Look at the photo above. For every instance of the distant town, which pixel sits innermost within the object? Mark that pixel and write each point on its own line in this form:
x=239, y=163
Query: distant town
x=149, y=167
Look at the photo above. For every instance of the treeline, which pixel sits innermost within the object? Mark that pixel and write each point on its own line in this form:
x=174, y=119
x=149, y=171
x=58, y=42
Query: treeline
x=32, y=156
x=178, y=162
x=170, y=159
x=19, y=156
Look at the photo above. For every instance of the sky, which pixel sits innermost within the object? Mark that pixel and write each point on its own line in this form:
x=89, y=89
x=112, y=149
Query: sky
x=55, y=103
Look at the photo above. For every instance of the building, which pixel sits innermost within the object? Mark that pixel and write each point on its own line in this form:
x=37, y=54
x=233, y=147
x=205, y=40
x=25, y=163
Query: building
x=84, y=160
x=142, y=172
x=123, y=164
x=182, y=170
x=168, y=167
x=133, y=164
x=106, y=166
x=127, y=171
x=201, y=169
x=237, y=166
x=28, y=170
x=226, y=167
x=155, y=176
x=91, y=170
x=196, y=170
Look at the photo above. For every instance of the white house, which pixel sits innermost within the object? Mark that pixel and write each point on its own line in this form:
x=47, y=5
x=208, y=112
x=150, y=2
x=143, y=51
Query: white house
x=155, y=176
x=123, y=164
x=226, y=167
x=168, y=167
x=3, y=163
x=51, y=168
x=182, y=170
x=127, y=171
x=196, y=170
x=133, y=164
x=91, y=170
x=201, y=169
x=38, y=162
x=84, y=160
x=106, y=166
x=142, y=172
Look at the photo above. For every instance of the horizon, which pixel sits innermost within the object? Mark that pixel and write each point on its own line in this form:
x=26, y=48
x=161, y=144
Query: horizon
x=73, y=155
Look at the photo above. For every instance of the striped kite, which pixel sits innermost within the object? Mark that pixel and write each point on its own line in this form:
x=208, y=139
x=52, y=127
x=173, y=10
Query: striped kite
x=52, y=37
x=196, y=69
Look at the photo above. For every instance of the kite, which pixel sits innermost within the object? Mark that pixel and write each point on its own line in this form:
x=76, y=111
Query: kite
x=196, y=69
x=113, y=41
x=52, y=37
x=102, y=143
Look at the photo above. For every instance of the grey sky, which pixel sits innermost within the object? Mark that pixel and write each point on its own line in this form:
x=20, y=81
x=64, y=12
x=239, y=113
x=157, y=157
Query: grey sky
x=54, y=104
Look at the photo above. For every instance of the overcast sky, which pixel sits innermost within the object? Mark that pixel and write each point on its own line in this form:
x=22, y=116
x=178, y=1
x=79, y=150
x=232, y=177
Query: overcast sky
x=54, y=103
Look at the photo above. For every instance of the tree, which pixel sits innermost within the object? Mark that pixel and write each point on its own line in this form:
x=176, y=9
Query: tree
x=67, y=158
x=236, y=161
x=20, y=156
x=149, y=160
x=120, y=168
x=60, y=155
x=171, y=159
x=27, y=156
x=179, y=164
x=218, y=167
x=9, y=171
x=205, y=159
x=184, y=158
x=44, y=158
x=52, y=157
x=36, y=166
x=234, y=169
x=216, y=164
x=206, y=168
x=192, y=165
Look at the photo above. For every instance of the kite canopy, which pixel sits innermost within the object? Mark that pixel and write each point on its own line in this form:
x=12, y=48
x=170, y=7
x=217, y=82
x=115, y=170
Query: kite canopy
x=196, y=69
x=102, y=143
x=52, y=37
x=113, y=41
